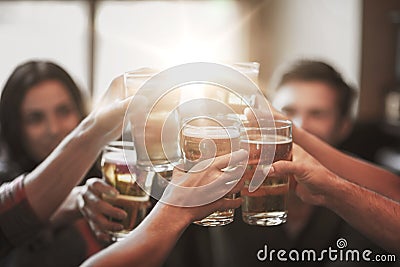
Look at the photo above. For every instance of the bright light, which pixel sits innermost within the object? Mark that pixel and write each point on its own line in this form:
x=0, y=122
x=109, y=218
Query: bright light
x=162, y=34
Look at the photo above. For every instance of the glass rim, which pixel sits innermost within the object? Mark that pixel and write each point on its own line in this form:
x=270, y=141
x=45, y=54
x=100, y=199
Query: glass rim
x=211, y=126
x=141, y=72
x=285, y=124
x=251, y=65
x=120, y=145
x=215, y=118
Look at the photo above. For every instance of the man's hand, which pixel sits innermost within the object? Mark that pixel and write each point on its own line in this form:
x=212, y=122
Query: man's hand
x=311, y=179
x=201, y=190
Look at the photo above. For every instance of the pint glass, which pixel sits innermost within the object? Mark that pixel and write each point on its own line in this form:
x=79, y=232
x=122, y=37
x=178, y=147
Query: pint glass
x=209, y=137
x=120, y=171
x=267, y=205
x=154, y=132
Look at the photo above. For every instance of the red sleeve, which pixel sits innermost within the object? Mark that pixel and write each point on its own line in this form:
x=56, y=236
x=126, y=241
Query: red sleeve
x=93, y=245
x=18, y=222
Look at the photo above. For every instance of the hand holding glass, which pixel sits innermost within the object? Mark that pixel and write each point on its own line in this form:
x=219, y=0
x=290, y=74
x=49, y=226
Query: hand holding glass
x=120, y=170
x=267, y=205
x=208, y=137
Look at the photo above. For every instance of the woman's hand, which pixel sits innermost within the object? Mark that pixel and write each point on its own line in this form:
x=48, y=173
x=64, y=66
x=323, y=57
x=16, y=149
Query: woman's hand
x=106, y=119
x=96, y=211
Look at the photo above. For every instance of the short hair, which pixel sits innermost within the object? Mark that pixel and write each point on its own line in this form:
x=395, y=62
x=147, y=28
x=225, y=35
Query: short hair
x=22, y=79
x=311, y=70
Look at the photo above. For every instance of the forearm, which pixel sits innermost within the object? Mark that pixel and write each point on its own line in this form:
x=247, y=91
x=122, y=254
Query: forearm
x=51, y=182
x=149, y=244
x=372, y=214
x=352, y=169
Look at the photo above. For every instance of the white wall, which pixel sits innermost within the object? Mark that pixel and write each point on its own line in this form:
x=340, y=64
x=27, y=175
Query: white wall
x=160, y=34
x=323, y=29
x=157, y=33
x=55, y=31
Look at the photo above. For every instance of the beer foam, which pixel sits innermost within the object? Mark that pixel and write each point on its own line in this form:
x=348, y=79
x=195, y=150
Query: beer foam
x=120, y=158
x=134, y=198
x=269, y=140
x=211, y=132
x=126, y=197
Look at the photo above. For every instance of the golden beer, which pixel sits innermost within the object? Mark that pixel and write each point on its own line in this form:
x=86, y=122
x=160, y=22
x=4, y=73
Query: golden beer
x=203, y=143
x=203, y=139
x=268, y=204
x=132, y=198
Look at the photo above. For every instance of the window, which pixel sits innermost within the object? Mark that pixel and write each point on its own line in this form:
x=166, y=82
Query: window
x=158, y=34
x=56, y=31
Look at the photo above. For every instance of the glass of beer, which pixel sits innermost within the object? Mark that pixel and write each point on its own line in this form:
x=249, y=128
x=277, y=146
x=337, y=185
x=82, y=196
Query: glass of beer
x=155, y=131
x=119, y=170
x=267, y=205
x=209, y=137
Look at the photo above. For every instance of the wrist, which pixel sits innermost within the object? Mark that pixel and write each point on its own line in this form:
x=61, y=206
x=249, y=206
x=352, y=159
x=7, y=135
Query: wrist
x=165, y=212
x=88, y=132
x=297, y=133
x=333, y=190
x=76, y=195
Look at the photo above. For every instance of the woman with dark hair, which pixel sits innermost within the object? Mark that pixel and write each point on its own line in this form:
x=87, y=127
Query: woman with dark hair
x=13, y=121
x=40, y=105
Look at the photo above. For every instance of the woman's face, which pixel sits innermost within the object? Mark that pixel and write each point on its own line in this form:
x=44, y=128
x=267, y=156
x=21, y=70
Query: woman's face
x=48, y=115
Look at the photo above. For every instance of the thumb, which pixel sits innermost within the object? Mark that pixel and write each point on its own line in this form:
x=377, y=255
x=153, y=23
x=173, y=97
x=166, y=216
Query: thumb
x=118, y=109
x=284, y=167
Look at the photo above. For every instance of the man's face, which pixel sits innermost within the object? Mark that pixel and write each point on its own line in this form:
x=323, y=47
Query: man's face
x=313, y=106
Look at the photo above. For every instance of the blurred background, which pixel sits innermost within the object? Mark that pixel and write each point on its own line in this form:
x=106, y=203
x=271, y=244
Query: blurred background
x=97, y=40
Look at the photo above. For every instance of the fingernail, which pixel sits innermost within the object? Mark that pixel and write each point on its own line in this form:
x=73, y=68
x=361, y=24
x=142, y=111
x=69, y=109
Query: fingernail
x=122, y=215
x=269, y=171
x=243, y=151
x=112, y=193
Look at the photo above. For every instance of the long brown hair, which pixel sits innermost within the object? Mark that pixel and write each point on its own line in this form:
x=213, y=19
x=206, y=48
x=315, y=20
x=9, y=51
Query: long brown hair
x=23, y=78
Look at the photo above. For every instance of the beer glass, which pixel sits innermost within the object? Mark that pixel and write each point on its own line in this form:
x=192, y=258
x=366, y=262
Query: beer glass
x=209, y=137
x=267, y=205
x=251, y=70
x=155, y=151
x=119, y=170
